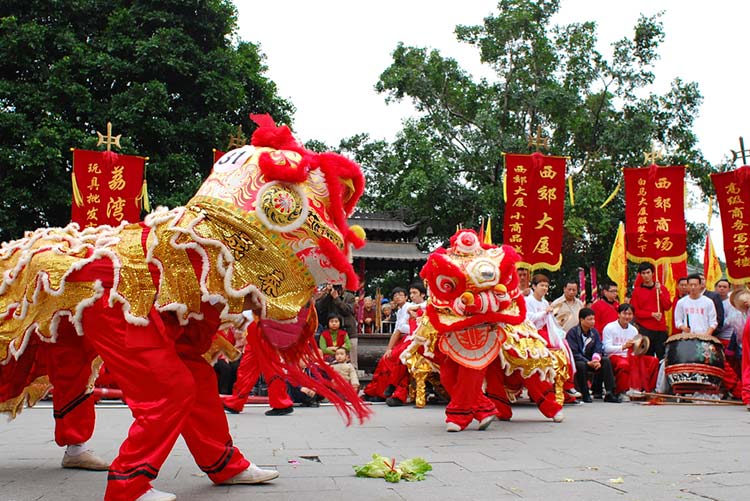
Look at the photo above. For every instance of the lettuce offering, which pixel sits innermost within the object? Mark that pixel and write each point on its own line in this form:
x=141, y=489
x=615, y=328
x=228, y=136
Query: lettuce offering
x=411, y=470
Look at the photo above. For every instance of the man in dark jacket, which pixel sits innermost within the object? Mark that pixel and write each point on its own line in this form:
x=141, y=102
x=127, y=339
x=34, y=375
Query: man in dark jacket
x=588, y=354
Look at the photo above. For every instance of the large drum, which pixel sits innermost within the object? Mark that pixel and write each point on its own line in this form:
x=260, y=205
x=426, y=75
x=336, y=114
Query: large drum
x=694, y=363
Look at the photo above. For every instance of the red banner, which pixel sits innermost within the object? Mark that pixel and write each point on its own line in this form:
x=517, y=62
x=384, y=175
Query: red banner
x=535, y=188
x=733, y=194
x=655, y=214
x=107, y=188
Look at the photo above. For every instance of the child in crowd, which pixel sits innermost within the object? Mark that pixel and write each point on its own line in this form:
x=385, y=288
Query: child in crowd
x=342, y=365
x=334, y=337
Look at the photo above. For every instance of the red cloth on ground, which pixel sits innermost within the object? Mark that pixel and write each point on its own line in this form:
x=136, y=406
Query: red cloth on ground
x=390, y=371
x=634, y=371
x=171, y=391
x=464, y=385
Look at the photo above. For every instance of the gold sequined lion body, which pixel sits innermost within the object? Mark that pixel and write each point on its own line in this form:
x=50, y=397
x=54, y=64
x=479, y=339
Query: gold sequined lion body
x=268, y=224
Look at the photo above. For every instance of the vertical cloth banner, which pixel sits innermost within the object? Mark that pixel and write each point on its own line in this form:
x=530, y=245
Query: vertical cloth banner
x=711, y=265
x=617, y=270
x=655, y=214
x=733, y=195
x=108, y=188
x=535, y=187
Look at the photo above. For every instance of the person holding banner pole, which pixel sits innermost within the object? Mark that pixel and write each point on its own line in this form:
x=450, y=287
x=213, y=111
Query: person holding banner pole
x=650, y=300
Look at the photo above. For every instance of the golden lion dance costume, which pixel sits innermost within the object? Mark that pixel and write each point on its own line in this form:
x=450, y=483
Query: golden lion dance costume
x=475, y=322
x=267, y=225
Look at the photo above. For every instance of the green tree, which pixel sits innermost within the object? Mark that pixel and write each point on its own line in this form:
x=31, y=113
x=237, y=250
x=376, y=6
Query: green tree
x=170, y=76
x=446, y=164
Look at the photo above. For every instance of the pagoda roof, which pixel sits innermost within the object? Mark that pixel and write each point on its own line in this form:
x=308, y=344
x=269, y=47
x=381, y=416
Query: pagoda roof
x=381, y=222
x=391, y=251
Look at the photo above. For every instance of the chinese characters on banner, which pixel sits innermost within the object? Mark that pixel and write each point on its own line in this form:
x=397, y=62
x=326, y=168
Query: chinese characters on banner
x=733, y=194
x=107, y=188
x=655, y=214
x=535, y=187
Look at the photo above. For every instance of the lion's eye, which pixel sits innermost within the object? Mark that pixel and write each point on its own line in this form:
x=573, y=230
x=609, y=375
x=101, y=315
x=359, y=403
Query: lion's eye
x=445, y=283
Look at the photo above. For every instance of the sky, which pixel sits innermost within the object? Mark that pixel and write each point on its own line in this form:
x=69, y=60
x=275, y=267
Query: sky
x=326, y=56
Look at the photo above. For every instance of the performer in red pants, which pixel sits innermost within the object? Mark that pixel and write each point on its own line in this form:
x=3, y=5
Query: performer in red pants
x=541, y=392
x=247, y=375
x=171, y=391
x=72, y=403
x=468, y=402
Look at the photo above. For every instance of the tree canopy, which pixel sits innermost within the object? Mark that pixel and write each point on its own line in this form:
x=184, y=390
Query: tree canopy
x=170, y=75
x=445, y=165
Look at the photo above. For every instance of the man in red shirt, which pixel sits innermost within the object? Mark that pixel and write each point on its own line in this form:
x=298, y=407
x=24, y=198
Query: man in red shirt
x=651, y=301
x=605, y=308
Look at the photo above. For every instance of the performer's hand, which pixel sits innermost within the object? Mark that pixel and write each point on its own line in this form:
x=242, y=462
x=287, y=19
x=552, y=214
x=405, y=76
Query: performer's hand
x=387, y=353
x=657, y=315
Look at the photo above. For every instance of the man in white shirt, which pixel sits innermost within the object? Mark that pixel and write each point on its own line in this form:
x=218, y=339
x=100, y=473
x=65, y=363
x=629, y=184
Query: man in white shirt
x=633, y=373
x=695, y=313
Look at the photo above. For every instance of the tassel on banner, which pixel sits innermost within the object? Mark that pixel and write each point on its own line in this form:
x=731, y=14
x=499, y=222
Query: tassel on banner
x=570, y=190
x=144, y=195
x=612, y=196
x=77, y=198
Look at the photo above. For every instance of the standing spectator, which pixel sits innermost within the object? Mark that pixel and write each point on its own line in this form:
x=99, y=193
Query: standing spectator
x=567, y=306
x=588, y=353
x=725, y=334
x=633, y=373
x=695, y=313
x=388, y=318
x=650, y=301
x=740, y=299
x=524, y=284
x=605, y=308
x=366, y=320
x=716, y=298
x=682, y=291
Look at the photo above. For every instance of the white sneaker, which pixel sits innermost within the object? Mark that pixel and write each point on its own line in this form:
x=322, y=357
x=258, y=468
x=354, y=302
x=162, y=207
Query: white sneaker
x=559, y=417
x=452, y=427
x=154, y=495
x=485, y=423
x=632, y=392
x=253, y=475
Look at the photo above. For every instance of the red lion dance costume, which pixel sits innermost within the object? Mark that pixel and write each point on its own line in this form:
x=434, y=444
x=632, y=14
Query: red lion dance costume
x=266, y=227
x=476, y=323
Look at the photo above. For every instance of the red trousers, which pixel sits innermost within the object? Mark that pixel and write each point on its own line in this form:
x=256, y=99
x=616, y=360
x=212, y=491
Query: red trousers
x=634, y=371
x=69, y=369
x=171, y=391
x=732, y=381
x=541, y=392
x=390, y=371
x=464, y=385
x=746, y=363
x=247, y=375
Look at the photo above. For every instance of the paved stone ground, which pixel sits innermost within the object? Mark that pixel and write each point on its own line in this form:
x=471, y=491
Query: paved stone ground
x=602, y=451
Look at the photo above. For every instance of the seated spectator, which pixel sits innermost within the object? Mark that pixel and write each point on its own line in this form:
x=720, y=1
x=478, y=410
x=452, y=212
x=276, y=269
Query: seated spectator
x=633, y=373
x=342, y=365
x=366, y=321
x=588, y=354
x=334, y=337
